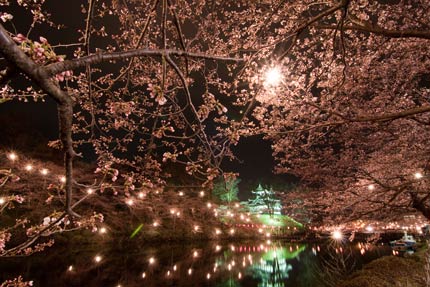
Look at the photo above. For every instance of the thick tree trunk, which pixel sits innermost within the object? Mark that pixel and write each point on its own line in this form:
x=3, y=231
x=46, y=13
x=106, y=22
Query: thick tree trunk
x=420, y=204
x=41, y=77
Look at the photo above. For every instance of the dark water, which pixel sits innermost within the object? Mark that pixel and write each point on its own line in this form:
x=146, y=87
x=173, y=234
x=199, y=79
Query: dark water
x=277, y=264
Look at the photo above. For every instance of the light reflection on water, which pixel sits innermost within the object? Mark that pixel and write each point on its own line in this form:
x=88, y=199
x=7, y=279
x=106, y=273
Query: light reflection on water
x=262, y=264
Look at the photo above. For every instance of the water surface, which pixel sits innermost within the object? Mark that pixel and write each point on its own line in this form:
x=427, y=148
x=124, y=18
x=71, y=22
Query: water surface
x=248, y=263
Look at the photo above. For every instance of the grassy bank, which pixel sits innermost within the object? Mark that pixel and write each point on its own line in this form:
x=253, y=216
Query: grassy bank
x=389, y=271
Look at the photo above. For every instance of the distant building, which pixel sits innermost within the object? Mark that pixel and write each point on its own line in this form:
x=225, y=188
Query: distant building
x=264, y=202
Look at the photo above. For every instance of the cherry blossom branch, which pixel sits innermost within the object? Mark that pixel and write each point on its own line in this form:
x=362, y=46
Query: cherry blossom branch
x=179, y=32
x=139, y=41
x=7, y=74
x=56, y=68
x=383, y=32
x=342, y=4
x=360, y=119
x=363, y=26
x=41, y=77
x=33, y=238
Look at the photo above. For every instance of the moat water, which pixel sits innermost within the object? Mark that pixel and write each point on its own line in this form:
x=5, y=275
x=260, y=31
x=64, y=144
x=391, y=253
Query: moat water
x=247, y=263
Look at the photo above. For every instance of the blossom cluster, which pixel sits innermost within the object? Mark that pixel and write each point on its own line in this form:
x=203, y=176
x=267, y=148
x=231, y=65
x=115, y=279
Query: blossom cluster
x=41, y=52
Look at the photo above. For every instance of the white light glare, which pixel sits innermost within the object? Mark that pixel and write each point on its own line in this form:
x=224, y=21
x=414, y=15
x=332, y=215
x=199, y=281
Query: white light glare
x=12, y=156
x=418, y=175
x=337, y=235
x=369, y=228
x=272, y=76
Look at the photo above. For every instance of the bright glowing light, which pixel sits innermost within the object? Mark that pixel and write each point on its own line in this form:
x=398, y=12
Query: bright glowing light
x=218, y=248
x=90, y=191
x=144, y=275
x=151, y=260
x=236, y=205
x=195, y=254
x=70, y=268
x=28, y=167
x=141, y=195
x=44, y=171
x=172, y=211
x=178, y=214
x=260, y=230
x=217, y=231
x=196, y=228
x=371, y=187
x=272, y=76
x=103, y=230
x=190, y=271
x=174, y=267
x=155, y=224
x=168, y=273
x=130, y=202
x=267, y=234
x=62, y=179
x=337, y=235
x=2, y=200
x=209, y=205
x=369, y=228
x=232, y=231
x=181, y=193
x=208, y=276
x=12, y=156
x=98, y=258
x=418, y=175
x=239, y=276
x=202, y=193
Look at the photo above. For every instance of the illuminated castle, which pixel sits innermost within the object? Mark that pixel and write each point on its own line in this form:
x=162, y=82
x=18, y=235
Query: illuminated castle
x=264, y=202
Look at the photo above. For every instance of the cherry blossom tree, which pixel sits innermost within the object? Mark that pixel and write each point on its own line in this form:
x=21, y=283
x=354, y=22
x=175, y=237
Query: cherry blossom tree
x=353, y=117
x=148, y=82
